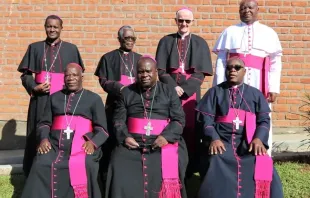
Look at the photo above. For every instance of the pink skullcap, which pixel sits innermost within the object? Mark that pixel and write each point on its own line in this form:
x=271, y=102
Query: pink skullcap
x=76, y=66
x=148, y=56
x=184, y=8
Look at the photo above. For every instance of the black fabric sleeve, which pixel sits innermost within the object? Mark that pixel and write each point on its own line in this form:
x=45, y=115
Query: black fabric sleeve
x=207, y=110
x=45, y=123
x=99, y=134
x=262, y=120
x=193, y=83
x=109, y=86
x=120, y=120
x=162, y=55
x=173, y=131
x=28, y=81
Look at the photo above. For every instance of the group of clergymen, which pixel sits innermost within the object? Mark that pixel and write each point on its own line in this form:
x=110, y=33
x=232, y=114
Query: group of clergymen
x=151, y=135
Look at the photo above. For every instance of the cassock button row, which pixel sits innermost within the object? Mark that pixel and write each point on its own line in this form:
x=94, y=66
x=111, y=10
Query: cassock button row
x=145, y=183
x=145, y=167
x=145, y=191
x=145, y=175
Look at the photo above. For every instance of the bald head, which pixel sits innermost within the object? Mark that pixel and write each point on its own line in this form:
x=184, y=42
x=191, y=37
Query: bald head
x=184, y=20
x=246, y=1
x=73, y=77
x=146, y=72
x=183, y=12
x=248, y=11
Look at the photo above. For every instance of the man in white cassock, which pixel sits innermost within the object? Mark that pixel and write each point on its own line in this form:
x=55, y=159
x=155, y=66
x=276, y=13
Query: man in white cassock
x=258, y=46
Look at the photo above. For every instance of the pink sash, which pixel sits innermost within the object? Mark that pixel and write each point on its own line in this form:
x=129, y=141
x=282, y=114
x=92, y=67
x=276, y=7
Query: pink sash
x=263, y=165
x=125, y=80
x=57, y=80
x=188, y=106
x=259, y=63
x=77, y=161
x=169, y=156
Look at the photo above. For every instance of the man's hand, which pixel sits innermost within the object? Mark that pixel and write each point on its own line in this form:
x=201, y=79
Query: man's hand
x=44, y=147
x=216, y=147
x=159, y=142
x=88, y=147
x=271, y=97
x=131, y=143
x=42, y=88
x=179, y=90
x=258, y=146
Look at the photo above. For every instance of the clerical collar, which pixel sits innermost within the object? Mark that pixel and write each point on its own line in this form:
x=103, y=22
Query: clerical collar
x=184, y=36
x=124, y=52
x=148, y=89
x=244, y=24
x=52, y=44
x=235, y=86
x=73, y=92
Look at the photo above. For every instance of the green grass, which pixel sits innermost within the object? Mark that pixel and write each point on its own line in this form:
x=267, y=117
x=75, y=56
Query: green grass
x=295, y=179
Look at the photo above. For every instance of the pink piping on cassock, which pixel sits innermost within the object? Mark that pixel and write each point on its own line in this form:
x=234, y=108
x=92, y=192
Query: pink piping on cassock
x=77, y=161
x=263, y=165
x=169, y=154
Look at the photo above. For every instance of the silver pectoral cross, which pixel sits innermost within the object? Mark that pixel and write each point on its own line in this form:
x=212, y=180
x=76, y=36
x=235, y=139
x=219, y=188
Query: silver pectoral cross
x=68, y=131
x=182, y=66
x=237, y=122
x=131, y=78
x=47, y=77
x=148, y=128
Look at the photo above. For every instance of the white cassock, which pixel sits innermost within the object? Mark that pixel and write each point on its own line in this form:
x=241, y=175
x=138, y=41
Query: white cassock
x=255, y=40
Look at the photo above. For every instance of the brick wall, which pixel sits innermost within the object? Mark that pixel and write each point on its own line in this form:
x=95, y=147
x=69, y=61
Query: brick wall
x=92, y=25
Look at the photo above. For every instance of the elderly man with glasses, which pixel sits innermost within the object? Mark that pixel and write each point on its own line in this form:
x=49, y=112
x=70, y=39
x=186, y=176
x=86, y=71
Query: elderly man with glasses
x=183, y=61
x=116, y=69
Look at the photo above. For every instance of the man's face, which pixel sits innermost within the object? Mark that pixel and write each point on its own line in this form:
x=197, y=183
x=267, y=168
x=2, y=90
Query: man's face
x=235, y=72
x=248, y=11
x=146, y=73
x=184, y=21
x=128, y=41
x=53, y=29
x=73, y=78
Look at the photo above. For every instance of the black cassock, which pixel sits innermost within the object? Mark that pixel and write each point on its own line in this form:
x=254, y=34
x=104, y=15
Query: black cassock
x=231, y=174
x=49, y=175
x=194, y=52
x=137, y=173
x=33, y=63
x=109, y=70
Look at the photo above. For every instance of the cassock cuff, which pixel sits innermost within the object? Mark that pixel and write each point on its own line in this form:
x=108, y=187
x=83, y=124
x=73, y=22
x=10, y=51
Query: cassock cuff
x=97, y=139
x=262, y=133
x=212, y=133
x=44, y=132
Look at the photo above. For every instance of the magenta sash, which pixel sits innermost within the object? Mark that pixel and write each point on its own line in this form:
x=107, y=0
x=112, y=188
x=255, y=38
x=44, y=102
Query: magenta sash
x=259, y=63
x=77, y=161
x=169, y=156
x=263, y=165
x=125, y=80
x=57, y=80
x=188, y=105
x=136, y=125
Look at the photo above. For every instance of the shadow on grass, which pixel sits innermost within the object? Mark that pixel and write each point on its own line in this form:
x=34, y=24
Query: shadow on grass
x=18, y=182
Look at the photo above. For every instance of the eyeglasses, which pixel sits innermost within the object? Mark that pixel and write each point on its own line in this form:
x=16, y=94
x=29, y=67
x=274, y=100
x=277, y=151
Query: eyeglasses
x=236, y=67
x=128, y=38
x=186, y=20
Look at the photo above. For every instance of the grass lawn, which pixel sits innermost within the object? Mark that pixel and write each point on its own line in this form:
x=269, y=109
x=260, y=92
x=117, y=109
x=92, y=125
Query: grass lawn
x=295, y=178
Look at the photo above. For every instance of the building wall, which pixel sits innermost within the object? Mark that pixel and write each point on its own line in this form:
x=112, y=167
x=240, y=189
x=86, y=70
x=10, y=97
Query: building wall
x=93, y=24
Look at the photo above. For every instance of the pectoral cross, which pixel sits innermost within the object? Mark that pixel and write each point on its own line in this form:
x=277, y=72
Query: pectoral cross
x=68, y=131
x=237, y=122
x=182, y=66
x=47, y=78
x=131, y=78
x=148, y=128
